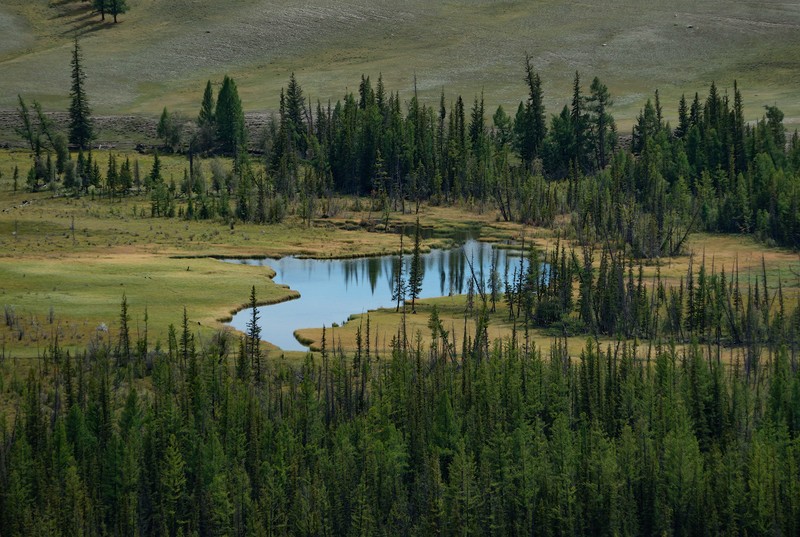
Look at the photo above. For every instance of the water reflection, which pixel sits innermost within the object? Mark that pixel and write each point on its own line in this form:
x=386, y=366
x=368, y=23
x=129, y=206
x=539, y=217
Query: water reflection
x=333, y=289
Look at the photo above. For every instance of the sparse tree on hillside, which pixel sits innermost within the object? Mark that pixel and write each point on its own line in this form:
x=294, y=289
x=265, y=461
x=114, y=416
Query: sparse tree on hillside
x=101, y=6
x=117, y=7
x=80, y=125
x=26, y=130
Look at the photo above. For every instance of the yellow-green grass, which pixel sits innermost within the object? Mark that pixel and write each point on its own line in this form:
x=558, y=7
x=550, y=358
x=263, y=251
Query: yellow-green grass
x=162, y=52
x=79, y=255
x=85, y=294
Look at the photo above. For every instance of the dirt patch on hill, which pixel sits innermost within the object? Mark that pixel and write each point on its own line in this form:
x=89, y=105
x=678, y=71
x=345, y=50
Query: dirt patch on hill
x=120, y=132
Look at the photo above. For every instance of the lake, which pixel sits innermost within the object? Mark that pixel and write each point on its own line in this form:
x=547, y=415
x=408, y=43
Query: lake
x=331, y=290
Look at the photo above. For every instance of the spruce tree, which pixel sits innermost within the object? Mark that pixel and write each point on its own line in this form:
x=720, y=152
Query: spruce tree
x=229, y=118
x=206, y=116
x=416, y=271
x=529, y=126
x=254, y=336
x=80, y=125
x=295, y=106
x=155, y=178
x=602, y=122
x=124, y=346
x=399, y=283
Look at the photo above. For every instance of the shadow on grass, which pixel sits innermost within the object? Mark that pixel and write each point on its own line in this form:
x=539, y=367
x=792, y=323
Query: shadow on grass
x=70, y=10
x=85, y=28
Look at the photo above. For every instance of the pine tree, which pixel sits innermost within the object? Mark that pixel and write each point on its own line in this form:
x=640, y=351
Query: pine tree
x=229, y=118
x=125, y=176
x=112, y=175
x=602, y=122
x=27, y=130
x=205, y=121
x=399, y=283
x=580, y=125
x=295, y=115
x=254, y=336
x=173, y=485
x=683, y=118
x=80, y=125
x=416, y=271
x=530, y=125
x=124, y=347
x=206, y=116
x=155, y=179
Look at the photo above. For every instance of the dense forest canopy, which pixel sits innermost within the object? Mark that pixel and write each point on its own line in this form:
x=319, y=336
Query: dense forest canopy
x=473, y=438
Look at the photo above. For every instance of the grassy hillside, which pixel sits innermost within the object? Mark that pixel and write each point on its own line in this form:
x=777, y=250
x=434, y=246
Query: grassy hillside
x=162, y=51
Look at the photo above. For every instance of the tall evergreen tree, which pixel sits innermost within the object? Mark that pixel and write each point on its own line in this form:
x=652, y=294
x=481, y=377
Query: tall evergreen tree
x=416, y=272
x=530, y=124
x=206, y=116
x=601, y=121
x=295, y=111
x=254, y=336
x=399, y=281
x=230, y=118
x=80, y=125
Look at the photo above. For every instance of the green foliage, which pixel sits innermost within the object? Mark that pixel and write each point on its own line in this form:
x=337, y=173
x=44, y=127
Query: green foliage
x=229, y=118
x=80, y=126
x=416, y=270
x=116, y=7
x=169, y=129
x=714, y=172
x=510, y=442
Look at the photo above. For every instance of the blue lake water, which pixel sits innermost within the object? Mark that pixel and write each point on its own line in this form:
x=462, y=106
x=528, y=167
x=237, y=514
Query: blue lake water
x=331, y=290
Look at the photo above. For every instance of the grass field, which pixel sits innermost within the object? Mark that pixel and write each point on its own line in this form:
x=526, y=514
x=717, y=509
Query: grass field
x=162, y=51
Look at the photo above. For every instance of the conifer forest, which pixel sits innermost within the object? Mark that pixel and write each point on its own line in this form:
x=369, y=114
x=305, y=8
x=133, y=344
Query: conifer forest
x=620, y=377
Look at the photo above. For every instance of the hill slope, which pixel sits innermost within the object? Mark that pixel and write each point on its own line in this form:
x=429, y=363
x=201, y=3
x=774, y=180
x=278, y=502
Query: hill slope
x=162, y=51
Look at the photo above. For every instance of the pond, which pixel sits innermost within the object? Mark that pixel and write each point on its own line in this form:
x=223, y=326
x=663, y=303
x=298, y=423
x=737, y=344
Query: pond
x=331, y=290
